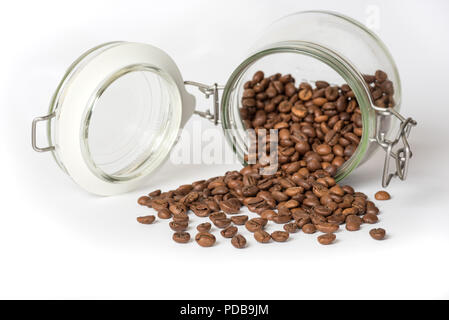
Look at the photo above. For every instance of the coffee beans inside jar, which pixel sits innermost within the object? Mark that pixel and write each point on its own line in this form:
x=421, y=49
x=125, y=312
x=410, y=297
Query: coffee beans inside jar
x=319, y=127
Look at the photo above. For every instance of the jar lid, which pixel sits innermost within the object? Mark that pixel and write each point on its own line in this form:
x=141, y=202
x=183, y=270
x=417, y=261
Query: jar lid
x=117, y=114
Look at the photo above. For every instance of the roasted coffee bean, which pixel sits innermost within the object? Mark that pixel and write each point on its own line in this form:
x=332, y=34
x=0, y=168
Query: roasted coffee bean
x=177, y=208
x=205, y=239
x=222, y=223
x=262, y=236
x=327, y=238
x=164, y=214
x=204, y=227
x=181, y=237
x=382, y=195
x=239, y=220
x=291, y=227
x=238, y=241
x=229, y=232
x=280, y=236
x=200, y=209
x=154, y=193
x=309, y=228
x=217, y=215
x=146, y=219
x=143, y=201
x=178, y=225
x=255, y=224
x=181, y=217
x=377, y=234
x=326, y=227
x=370, y=218
x=159, y=204
x=230, y=206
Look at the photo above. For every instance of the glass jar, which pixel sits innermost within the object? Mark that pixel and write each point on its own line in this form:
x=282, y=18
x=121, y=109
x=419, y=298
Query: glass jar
x=119, y=109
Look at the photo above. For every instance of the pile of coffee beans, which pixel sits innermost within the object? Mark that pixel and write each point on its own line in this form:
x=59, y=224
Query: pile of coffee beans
x=319, y=128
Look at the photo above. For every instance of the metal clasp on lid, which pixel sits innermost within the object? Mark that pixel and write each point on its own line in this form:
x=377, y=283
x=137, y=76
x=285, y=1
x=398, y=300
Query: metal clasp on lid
x=33, y=133
x=209, y=90
x=402, y=155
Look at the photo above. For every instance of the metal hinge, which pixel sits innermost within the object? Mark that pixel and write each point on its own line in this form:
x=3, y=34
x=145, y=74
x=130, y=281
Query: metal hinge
x=403, y=154
x=209, y=90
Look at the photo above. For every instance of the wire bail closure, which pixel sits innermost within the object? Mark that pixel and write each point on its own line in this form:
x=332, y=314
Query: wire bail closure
x=209, y=90
x=402, y=155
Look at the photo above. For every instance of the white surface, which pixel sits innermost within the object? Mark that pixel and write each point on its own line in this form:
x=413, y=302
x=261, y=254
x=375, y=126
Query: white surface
x=56, y=241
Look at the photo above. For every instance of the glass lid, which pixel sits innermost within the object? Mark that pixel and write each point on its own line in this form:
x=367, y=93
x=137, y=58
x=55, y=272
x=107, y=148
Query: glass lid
x=118, y=112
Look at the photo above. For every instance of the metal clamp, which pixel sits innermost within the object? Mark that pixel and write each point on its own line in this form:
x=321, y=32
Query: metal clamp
x=209, y=90
x=33, y=133
x=403, y=154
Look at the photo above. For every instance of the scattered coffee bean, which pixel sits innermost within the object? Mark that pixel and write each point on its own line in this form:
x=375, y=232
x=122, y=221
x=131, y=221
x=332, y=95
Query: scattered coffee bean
x=178, y=225
x=262, y=236
x=164, y=214
x=382, y=195
x=143, y=200
x=370, y=218
x=319, y=128
x=146, y=219
x=204, y=227
x=239, y=220
x=280, y=236
x=291, y=227
x=377, y=234
x=255, y=224
x=229, y=232
x=309, y=228
x=327, y=238
x=238, y=241
x=205, y=239
x=181, y=237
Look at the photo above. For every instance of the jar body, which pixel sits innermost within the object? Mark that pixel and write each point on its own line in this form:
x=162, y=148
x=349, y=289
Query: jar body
x=316, y=46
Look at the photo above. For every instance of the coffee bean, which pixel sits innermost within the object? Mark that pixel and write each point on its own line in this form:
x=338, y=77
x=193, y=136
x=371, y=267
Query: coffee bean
x=238, y=241
x=217, y=215
x=280, y=236
x=229, y=232
x=370, y=218
x=164, y=214
x=255, y=224
x=205, y=239
x=230, y=206
x=377, y=234
x=204, y=227
x=181, y=217
x=327, y=238
x=291, y=227
x=178, y=225
x=181, y=237
x=382, y=195
x=239, y=220
x=222, y=223
x=262, y=236
x=146, y=219
x=143, y=201
x=309, y=228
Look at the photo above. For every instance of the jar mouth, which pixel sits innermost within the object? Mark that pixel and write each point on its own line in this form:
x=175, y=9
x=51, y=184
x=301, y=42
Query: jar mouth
x=233, y=125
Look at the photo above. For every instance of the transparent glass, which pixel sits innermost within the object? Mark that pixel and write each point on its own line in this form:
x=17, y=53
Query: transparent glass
x=315, y=45
x=130, y=123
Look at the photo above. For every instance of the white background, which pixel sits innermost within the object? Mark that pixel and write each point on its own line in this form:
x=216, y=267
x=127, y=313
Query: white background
x=56, y=241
